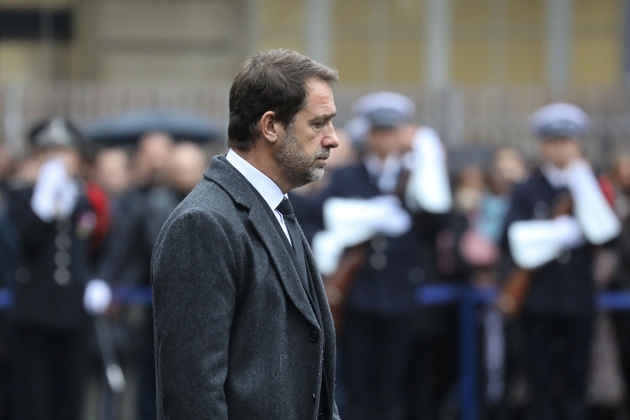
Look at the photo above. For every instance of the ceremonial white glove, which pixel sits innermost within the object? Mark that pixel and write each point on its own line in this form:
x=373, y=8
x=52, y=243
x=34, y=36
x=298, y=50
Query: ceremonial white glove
x=428, y=187
x=596, y=217
x=97, y=297
x=349, y=222
x=536, y=242
x=56, y=193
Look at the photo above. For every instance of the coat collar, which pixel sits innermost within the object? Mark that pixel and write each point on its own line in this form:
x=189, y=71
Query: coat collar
x=238, y=188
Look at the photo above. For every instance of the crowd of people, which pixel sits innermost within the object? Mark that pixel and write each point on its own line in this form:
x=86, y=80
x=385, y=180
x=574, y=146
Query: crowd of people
x=392, y=214
x=78, y=219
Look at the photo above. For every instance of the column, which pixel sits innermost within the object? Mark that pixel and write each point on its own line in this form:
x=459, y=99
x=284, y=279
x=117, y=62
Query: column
x=318, y=29
x=559, y=17
x=438, y=40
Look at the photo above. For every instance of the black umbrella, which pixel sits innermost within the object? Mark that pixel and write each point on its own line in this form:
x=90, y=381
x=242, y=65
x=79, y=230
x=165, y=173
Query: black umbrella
x=127, y=128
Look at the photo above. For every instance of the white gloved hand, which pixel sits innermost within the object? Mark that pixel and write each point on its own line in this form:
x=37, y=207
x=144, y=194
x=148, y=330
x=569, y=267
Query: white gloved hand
x=568, y=232
x=596, y=217
x=56, y=193
x=536, y=242
x=428, y=187
x=97, y=297
x=350, y=221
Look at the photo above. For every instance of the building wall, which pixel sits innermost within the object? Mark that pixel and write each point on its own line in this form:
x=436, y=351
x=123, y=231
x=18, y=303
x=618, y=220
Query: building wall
x=373, y=42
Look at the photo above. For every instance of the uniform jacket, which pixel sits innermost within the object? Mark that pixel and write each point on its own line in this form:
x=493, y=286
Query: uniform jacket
x=396, y=266
x=52, y=266
x=235, y=334
x=564, y=286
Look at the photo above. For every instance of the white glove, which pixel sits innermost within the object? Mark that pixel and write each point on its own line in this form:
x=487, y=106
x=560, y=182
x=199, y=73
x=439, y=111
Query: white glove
x=97, y=297
x=597, y=219
x=428, y=187
x=351, y=221
x=536, y=242
x=56, y=193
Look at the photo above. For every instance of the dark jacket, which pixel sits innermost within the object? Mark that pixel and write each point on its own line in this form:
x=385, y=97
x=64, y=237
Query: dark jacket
x=396, y=266
x=8, y=241
x=564, y=286
x=45, y=294
x=235, y=334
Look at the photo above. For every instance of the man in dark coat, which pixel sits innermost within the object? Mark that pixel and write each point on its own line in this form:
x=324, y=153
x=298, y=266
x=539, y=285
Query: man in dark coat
x=242, y=325
x=558, y=311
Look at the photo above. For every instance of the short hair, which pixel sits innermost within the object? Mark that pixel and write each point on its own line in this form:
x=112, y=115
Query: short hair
x=273, y=80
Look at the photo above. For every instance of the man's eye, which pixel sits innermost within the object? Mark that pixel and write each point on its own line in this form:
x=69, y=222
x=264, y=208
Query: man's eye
x=319, y=124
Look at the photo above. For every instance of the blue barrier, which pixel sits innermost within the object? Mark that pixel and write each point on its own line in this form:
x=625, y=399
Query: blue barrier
x=467, y=297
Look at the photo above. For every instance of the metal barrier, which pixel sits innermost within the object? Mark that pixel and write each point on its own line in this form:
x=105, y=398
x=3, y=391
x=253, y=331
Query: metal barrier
x=468, y=299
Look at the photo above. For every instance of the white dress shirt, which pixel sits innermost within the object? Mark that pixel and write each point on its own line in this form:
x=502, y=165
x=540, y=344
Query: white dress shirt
x=268, y=189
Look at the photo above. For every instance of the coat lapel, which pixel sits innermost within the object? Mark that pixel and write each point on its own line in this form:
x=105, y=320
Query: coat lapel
x=228, y=178
x=318, y=284
x=280, y=258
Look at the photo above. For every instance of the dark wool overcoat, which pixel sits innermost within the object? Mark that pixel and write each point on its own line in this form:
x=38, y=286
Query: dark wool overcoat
x=235, y=334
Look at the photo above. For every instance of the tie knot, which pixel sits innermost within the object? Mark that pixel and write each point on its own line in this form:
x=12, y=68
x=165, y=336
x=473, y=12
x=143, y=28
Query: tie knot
x=285, y=207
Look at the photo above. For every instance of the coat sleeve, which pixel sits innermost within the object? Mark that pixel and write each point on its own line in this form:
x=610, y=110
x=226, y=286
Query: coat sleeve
x=194, y=296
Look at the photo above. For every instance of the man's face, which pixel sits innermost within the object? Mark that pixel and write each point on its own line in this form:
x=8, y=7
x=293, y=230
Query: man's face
x=307, y=140
x=384, y=141
x=560, y=152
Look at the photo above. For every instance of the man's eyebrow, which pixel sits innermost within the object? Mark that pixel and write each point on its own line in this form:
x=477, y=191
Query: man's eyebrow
x=324, y=117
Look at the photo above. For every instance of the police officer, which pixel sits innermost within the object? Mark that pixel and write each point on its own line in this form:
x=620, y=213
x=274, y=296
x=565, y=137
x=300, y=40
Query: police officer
x=384, y=202
x=52, y=291
x=558, y=246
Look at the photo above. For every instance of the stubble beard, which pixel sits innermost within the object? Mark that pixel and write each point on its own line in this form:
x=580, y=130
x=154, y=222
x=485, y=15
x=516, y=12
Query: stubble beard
x=298, y=168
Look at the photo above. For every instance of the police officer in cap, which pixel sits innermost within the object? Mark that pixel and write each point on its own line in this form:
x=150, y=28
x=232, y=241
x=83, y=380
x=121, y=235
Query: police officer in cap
x=557, y=243
x=383, y=205
x=53, y=293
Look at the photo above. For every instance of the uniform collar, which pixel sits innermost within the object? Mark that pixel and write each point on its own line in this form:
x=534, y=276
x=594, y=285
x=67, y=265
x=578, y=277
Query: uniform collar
x=557, y=178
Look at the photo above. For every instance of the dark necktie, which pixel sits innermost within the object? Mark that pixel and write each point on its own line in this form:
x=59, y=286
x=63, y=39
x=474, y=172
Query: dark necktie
x=286, y=209
x=295, y=232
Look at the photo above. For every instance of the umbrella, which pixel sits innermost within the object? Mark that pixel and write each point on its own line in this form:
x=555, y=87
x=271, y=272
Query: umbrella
x=127, y=128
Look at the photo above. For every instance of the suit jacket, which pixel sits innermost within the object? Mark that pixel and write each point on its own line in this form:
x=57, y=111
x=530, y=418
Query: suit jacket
x=235, y=334
x=564, y=286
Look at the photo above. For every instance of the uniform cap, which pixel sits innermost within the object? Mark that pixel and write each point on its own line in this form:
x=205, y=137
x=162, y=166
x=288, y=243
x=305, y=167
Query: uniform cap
x=357, y=128
x=385, y=109
x=559, y=120
x=56, y=131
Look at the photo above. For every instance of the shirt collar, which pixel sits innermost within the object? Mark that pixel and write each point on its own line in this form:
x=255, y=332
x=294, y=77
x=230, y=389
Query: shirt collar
x=263, y=184
x=555, y=176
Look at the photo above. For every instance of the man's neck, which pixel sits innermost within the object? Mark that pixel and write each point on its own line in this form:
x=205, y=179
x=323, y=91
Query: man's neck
x=265, y=164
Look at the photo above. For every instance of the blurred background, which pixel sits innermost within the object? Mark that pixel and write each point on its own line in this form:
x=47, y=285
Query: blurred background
x=475, y=68
x=147, y=74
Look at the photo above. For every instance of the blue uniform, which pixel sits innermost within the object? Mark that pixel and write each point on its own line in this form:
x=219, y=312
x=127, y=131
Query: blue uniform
x=558, y=312
x=565, y=286
x=393, y=349
x=47, y=312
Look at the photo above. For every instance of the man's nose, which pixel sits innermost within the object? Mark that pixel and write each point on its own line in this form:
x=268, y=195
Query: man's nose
x=331, y=139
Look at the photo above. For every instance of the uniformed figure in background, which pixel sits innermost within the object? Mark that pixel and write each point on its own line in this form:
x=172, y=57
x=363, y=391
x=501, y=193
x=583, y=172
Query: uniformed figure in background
x=385, y=204
x=52, y=291
x=557, y=247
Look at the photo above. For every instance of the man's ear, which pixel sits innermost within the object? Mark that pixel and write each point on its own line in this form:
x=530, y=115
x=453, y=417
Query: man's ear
x=270, y=126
